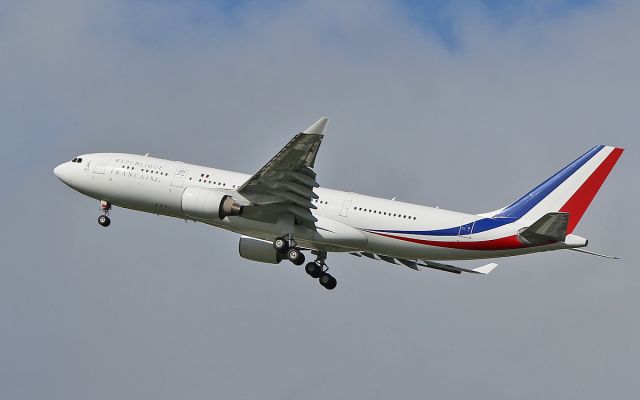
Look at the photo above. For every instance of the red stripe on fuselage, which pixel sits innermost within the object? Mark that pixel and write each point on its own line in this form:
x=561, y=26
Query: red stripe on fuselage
x=506, y=243
x=580, y=200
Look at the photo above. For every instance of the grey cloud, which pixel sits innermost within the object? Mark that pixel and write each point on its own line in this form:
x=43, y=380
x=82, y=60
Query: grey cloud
x=156, y=308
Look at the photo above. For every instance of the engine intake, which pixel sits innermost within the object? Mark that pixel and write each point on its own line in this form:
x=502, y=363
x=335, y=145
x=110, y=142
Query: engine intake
x=208, y=204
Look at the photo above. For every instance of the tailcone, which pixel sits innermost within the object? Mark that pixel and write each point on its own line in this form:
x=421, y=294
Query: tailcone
x=573, y=241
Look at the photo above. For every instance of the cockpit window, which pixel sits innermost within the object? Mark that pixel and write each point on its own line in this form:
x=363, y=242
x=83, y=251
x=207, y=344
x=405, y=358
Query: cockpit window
x=79, y=160
x=75, y=159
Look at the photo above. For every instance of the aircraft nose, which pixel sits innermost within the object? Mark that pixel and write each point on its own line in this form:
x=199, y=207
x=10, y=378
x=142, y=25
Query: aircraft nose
x=57, y=171
x=61, y=172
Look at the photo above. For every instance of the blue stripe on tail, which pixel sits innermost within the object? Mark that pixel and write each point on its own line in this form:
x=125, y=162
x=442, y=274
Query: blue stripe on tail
x=525, y=203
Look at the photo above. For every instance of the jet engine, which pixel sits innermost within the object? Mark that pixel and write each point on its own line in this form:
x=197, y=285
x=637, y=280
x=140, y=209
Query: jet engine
x=258, y=250
x=208, y=204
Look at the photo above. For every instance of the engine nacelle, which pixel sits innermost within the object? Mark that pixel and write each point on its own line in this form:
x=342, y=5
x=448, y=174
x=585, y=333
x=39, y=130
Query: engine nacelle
x=258, y=250
x=208, y=204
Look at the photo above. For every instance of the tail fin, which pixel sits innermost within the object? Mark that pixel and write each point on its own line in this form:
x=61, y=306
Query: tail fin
x=570, y=190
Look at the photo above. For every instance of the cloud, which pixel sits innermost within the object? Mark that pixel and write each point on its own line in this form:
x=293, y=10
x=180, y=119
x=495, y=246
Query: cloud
x=155, y=308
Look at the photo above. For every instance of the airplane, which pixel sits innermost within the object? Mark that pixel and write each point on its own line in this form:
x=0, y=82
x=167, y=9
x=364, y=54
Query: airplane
x=281, y=211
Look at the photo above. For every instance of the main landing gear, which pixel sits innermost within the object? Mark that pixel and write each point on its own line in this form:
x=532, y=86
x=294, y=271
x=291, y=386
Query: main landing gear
x=286, y=246
x=319, y=270
x=316, y=269
x=104, y=219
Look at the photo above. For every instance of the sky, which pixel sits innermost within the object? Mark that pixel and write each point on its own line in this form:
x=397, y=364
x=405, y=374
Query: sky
x=464, y=105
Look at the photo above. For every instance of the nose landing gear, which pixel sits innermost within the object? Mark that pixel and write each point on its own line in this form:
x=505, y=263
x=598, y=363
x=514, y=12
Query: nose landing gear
x=104, y=219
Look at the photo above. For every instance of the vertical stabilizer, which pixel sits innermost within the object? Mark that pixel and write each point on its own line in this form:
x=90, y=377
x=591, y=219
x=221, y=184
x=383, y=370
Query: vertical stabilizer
x=571, y=190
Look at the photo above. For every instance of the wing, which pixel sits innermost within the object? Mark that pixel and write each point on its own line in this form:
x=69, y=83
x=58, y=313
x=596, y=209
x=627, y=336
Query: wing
x=285, y=184
x=416, y=264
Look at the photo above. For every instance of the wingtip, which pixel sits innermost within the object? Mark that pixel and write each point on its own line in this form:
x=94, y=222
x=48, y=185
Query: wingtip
x=485, y=269
x=318, y=127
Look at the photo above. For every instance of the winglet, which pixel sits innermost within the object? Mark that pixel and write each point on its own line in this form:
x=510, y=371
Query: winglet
x=318, y=127
x=485, y=269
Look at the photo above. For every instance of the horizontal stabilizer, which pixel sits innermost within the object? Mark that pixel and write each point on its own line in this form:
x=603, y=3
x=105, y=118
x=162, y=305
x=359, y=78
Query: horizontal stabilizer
x=485, y=269
x=591, y=253
x=550, y=227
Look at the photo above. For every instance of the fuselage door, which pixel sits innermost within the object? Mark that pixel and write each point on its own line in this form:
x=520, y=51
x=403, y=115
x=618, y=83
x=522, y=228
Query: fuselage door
x=101, y=165
x=466, y=228
x=344, y=211
x=178, y=178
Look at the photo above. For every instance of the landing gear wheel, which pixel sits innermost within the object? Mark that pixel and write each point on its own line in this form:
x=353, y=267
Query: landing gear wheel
x=313, y=269
x=104, y=220
x=328, y=281
x=281, y=244
x=295, y=256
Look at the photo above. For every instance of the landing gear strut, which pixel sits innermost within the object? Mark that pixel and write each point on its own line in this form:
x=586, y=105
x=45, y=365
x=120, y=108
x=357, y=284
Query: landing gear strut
x=104, y=219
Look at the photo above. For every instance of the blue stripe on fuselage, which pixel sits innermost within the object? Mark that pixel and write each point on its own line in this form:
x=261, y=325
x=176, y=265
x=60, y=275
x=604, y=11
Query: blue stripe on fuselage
x=480, y=225
x=520, y=207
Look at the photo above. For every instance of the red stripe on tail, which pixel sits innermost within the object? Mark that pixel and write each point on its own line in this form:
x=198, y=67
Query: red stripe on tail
x=578, y=203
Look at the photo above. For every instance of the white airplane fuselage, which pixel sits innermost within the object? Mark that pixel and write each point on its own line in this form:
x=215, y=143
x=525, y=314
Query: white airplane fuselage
x=347, y=221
